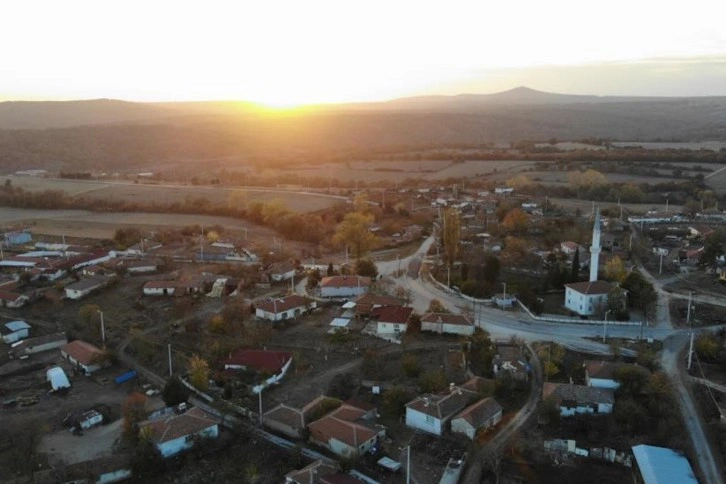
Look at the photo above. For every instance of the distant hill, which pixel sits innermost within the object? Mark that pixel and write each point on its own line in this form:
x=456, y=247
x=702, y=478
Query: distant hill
x=61, y=114
x=107, y=134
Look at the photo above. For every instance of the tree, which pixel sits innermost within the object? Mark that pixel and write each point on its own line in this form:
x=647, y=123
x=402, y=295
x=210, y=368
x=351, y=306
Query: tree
x=433, y=382
x=641, y=293
x=519, y=182
x=575, y=271
x=198, y=372
x=491, y=268
x=435, y=306
x=89, y=316
x=366, y=268
x=713, y=248
x=134, y=411
x=632, y=379
x=354, y=232
x=174, y=392
x=707, y=347
x=587, y=178
x=360, y=203
x=394, y=402
x=615, y=270
x=331, y=270
x=481, y=352
x=515, y=221
x=409, y=365
x=451, y=236
x=414, y=324
x=617, y=304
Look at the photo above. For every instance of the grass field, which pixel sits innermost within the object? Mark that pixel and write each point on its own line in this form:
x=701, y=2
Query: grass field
x=168, y=194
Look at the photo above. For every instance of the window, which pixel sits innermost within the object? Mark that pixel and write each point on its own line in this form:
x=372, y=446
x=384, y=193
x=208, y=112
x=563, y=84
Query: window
x=429, y=420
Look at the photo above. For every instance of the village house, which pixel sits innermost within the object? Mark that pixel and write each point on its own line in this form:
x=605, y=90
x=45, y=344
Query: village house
x=346, y=432
x=445, y=323
x=175, y=432
x=288, y=307
x=38, y=345
x=17, y=237
x=84, y=287
x=282, y=272
x=431, y=412
x=366, y=303
x=344, y=286
x=569, y=248
x=579, y=399
x=14, y=331
x=84, y=356
x=292, y=421
x=12, y=300
x=484, y=414
x=587, y=298
x=162, y=288
x=392, y=320
x=272, y=364
x=601, y=374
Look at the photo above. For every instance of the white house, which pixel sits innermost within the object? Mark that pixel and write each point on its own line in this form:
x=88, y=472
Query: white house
x=587, y=298
x=160, y=288
x=14, y=331
x=37, y=345
x=579, y=399
x=274, y=363
x=483, y=414
x=82, y=355
x=344, y=286
x=12, y=300
x=84, y=287
x=430, y=413
x=445, y=323
x=283, y=272
x=176, y=432
x=601, y=374
x=280, y=309
x=345, y=432
x=503, y=190
x=392, y=319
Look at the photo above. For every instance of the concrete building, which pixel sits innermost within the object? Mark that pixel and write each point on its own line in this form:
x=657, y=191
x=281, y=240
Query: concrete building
x=176, y=432
x=432, y=412
x=280, y=309
x=587, y=298
x=446, y=323
x=84, y=287
x=660, y=465
x=483, y=414
x=14, y=331
x=579, y=399
x=82, y=355
x=344, y=286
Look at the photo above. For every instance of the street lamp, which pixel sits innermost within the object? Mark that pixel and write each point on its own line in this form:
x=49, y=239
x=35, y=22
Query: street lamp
x=504, y=296
x=103, y=329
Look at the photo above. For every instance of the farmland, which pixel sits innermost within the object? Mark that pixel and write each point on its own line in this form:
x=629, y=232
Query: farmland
x=169, y=194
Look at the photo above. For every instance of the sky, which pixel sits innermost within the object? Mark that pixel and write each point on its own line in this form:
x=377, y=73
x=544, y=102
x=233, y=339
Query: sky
x=291, y=52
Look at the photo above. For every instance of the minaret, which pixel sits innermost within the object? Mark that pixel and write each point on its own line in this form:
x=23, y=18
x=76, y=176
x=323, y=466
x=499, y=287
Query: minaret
x=595, y=247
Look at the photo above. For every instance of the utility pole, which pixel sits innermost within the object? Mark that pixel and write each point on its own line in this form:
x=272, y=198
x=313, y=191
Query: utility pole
x=690, y=353
x=504, y=297
x=605, y=326
x=103, y=329
x=688, y=313
x=408, y=464
x=660, y=269
x=171, y=373
x=259, y=395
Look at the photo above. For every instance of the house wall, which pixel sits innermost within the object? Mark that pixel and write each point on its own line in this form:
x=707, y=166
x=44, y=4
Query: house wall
x=141, y=269
x=18, y=303
x=172, y=447
x=88, y=369
x=448, y=328
x=391, y=328
x=342, y=449
x=159, y=291
x=95, y=420
x=584, y=304
x=421, y=421
x=602, y=383
x=462, y=426
x=602, y=408
x=15, y=336
x=283, y=428
x=51, y=345
x=343, y=291
x=282, y=277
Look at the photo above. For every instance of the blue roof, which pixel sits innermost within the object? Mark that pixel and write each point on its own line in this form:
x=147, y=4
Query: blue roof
x=659, y=465
x=17, y=325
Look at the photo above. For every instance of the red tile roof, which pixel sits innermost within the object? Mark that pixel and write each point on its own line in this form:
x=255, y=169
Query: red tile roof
x=594, y=287
x=480, y=412
x=392, y=314
x=259, y=360
x=81, y=351
x=446, y=318
x=9, y=296
x=345, y=281
x=175, y=426
x=350, y=433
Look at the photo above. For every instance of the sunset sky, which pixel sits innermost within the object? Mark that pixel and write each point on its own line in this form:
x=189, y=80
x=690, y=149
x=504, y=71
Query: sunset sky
x=292, y=52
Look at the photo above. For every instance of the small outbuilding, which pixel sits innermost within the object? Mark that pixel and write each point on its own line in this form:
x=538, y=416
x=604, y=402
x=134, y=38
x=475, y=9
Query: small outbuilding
x=57, y=378
x=15, y=331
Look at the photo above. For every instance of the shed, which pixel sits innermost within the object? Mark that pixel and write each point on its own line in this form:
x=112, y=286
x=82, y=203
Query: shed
x=660, y=465
x=15, y=331
x=57, y=378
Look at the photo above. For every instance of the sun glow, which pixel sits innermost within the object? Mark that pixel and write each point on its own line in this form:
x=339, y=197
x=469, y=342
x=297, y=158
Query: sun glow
x=287, y=54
